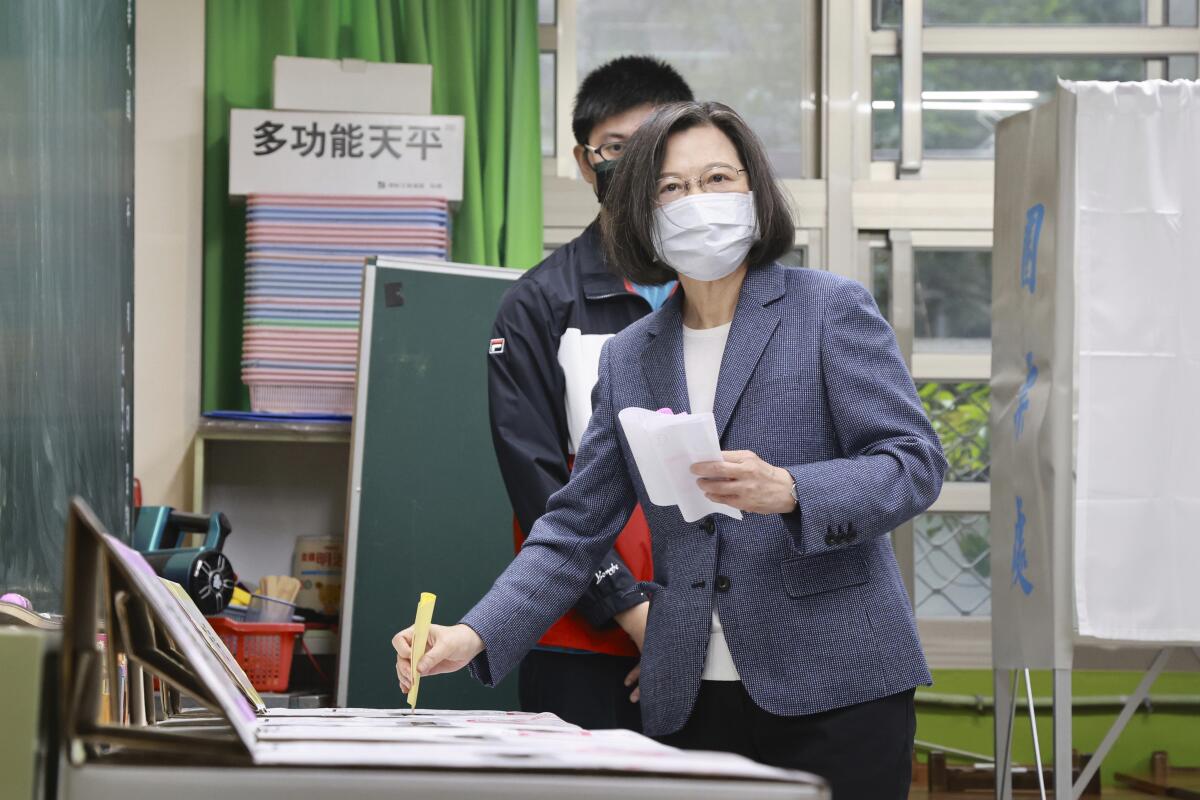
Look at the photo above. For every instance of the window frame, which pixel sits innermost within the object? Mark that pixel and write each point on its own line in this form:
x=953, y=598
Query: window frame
x=1154, y=41
x=950, y=642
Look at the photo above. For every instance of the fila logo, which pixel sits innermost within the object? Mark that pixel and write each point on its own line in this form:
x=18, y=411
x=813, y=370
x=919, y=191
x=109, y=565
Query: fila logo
x=496, y=347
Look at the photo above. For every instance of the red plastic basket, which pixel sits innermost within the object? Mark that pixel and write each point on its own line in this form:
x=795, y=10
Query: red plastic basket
x=263, y=649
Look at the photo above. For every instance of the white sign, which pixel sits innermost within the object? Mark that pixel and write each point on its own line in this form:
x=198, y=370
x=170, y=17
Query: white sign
x=320, y=153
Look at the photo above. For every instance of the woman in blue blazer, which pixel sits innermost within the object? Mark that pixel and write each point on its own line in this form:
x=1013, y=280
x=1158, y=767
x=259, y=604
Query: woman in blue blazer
x=786, y=636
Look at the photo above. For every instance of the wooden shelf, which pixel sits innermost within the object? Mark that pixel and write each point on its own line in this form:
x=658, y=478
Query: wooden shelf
x=270, y=431
x=274, y=431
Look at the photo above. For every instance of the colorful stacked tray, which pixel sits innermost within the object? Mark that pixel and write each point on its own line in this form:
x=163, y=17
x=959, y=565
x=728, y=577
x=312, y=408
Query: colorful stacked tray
x=304, y=265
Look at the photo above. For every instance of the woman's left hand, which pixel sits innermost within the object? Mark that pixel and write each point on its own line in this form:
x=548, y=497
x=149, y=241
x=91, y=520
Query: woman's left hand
x=634, y=679
x=746, y=482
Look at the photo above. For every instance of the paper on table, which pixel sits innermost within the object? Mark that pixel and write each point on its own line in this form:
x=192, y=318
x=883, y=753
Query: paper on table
x=321, y=731
x=403, y=717
x=665, y=446
x=510, y=717
x=602, y=751
x=420, y=636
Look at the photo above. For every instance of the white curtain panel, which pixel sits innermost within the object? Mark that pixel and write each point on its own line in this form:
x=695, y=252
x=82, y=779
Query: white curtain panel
x=1137, y=243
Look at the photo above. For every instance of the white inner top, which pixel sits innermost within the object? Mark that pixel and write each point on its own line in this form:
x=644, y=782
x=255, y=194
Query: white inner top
x=702, y=352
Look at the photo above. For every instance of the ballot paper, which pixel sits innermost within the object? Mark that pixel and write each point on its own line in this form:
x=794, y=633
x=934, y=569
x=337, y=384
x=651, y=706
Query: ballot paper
x=665, y=446
x=607, y=751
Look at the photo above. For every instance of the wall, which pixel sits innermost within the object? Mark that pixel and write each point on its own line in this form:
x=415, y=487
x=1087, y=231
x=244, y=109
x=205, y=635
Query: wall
x=169, y=156
x=272, y=493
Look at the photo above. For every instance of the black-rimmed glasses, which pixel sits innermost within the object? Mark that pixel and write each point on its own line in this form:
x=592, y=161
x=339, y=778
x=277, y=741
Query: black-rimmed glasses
x=609, y=151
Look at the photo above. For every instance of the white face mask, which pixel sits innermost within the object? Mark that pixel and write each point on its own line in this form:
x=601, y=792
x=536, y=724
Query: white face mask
x=706, y=236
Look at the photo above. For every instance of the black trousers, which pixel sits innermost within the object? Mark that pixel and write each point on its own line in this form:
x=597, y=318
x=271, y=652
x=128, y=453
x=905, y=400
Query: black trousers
x=864, y=750
x=583, y=688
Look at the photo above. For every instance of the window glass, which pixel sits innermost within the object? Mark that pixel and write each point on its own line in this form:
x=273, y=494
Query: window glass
x=546, y=85
x=888, y=13
x=881, y=280
x=952, y=564
x=747, y=55
x=952, y=302
x=1182, y=13
x=963, y=97
x=1018, y=12
x=959, y=413
x=546, y=12
x=1182, y=67
x=797, y=257
x=952, y=297
x=885, y=108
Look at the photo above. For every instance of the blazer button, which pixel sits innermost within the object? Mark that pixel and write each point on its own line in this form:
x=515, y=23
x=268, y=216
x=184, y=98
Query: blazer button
x=708, y=526
x=722, y=584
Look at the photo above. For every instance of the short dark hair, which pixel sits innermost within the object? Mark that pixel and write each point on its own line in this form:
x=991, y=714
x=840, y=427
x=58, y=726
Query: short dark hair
x=621, y=84
x=627, y=220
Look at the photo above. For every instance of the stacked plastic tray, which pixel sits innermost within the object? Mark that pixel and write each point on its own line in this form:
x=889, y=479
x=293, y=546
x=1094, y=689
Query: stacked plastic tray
x=304, y=265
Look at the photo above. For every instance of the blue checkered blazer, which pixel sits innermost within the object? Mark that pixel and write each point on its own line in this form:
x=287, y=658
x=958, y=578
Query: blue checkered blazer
x=811, y=602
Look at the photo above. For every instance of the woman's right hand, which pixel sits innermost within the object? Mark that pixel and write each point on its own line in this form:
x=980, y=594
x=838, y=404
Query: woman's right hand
x=447, y=649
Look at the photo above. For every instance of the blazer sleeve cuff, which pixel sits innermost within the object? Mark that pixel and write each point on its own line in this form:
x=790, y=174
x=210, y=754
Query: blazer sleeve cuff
x=481, y=671
x=815, y=525
x=600, y=612
x=490, y=666
x=614, y=590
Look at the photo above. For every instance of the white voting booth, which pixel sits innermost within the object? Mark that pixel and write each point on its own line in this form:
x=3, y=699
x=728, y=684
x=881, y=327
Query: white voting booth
x=1095, y=373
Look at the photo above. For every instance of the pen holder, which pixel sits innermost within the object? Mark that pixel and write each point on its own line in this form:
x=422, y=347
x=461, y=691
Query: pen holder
x=268, y=609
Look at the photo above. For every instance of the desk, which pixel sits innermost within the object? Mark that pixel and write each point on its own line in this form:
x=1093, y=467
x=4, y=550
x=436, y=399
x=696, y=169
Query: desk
x=477, y=754
x=123, y=782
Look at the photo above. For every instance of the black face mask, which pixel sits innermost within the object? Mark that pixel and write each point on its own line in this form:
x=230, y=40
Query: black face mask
x=604, y=174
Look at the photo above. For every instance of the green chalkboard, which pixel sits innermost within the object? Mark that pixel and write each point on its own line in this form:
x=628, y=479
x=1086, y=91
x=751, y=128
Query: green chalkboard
x=428, y=510
x=66, y=279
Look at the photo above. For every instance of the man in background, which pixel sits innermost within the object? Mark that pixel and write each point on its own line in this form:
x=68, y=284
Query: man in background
x=542, y=365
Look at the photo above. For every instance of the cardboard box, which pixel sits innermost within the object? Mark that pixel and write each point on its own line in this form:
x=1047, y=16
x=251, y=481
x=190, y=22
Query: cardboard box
x=350, y=84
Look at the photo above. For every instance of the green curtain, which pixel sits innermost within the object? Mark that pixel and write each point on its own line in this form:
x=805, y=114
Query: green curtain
x=485, y=67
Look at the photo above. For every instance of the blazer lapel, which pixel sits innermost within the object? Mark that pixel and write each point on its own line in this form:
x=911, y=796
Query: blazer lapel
x=754, y=323
x=662, y=357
